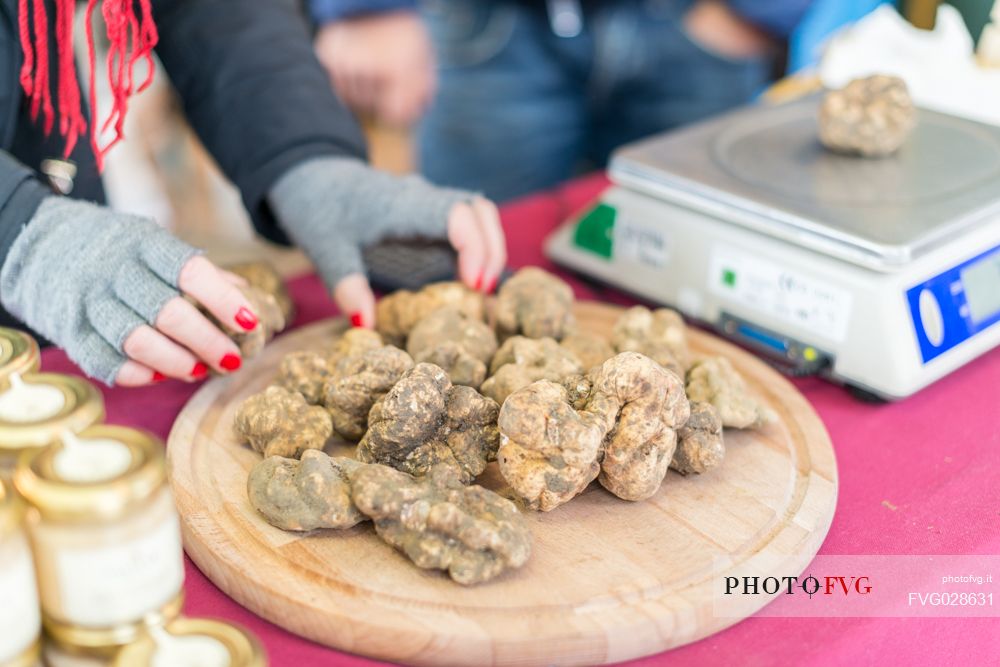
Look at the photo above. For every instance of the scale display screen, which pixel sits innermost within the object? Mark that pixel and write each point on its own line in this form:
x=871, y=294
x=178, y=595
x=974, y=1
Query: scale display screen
x=953, y=306
x=981, y=282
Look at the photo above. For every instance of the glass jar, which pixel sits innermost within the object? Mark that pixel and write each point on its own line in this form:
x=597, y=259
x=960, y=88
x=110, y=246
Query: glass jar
x=20, y=622
x=18, y=353
x=36, y=408
x=107, y=548
x=194, y=642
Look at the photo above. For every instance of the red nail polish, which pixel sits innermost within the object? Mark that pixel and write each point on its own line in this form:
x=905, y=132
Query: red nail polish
x=356, y=320
x=158, y=376
x=199, y=370
x=246, y=319
x=479, y=282
x=231, y=362
x=493, y=286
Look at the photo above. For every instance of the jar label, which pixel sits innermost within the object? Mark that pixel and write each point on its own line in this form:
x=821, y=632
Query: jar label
x=120, y=584
x=20, y=622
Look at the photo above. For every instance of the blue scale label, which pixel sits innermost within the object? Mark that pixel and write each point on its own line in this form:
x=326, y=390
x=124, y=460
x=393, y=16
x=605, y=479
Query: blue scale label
x=957, y=304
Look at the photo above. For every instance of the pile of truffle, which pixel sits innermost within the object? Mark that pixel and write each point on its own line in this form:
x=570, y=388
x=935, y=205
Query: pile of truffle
x=433, y=397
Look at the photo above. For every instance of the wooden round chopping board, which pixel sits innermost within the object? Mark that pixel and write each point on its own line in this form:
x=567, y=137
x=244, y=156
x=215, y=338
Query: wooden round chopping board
x=608, y=580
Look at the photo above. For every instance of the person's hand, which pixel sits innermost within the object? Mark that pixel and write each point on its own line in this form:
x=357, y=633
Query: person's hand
x=381, y=64
x=109, y=288
x=717, y=28
x=333, y=207
x=181, y=342
x=475, y=233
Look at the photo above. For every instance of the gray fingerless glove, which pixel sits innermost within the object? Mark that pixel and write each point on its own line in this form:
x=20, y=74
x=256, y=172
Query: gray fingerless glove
x=85, y=277
x=332, y=208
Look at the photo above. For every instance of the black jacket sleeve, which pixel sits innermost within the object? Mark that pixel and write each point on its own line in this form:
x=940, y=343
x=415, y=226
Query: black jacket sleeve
x=20, y=194
x=253, y=91
x=20, y=190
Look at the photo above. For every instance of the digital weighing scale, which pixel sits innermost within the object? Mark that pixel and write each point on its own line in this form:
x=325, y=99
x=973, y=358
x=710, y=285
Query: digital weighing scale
x=883, y=274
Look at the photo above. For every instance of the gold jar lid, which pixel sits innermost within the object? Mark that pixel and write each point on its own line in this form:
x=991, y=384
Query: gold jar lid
x=11, y=510
x=82, y=406
x=60, y=500
x=18, y=353
x=102, y=644
x=244, y=649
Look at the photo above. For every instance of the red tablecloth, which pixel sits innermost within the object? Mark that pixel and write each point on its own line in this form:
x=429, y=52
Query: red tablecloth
x=917, y=477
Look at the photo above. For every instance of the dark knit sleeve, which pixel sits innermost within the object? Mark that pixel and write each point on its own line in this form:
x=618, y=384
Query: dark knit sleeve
x=253, y=91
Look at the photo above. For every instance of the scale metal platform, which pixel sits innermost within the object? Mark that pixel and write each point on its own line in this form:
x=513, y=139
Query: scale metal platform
x=883, y=274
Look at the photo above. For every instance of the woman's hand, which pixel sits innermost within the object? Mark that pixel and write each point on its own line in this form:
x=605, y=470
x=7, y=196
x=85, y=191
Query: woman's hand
x=109, y=289
x=181, y=342
x=475, y=233
x=333, y=207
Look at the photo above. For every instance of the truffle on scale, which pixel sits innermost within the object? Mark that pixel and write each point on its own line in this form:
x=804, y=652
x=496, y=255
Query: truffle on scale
x=871, y=117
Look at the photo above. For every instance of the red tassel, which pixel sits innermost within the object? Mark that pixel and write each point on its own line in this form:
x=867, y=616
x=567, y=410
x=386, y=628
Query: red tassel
x=71, y=120
x=24, y=32
x=42, y=98
x=148, y=38
x=131, y=38
x=92, y=85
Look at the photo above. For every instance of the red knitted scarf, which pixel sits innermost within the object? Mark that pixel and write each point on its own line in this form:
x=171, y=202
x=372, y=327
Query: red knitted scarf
x=132, y=37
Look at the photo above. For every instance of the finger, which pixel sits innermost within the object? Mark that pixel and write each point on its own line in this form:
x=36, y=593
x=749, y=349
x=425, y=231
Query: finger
x=342, y=87
x=395, y=107
x=356, y=93
x=401, y=101
x=363, y=90
x=204, y=282
x=134, y=374
x=182, y=323
x=112, y=320
x=141, y=290
x=154, y=350
x=112, y=323
x=488, y=218
x=96, y=357
x=354, y=296
x=467, y=239
x=413, y=100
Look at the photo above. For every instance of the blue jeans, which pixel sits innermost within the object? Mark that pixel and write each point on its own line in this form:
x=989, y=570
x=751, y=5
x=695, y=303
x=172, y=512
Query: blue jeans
x=520, y=109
